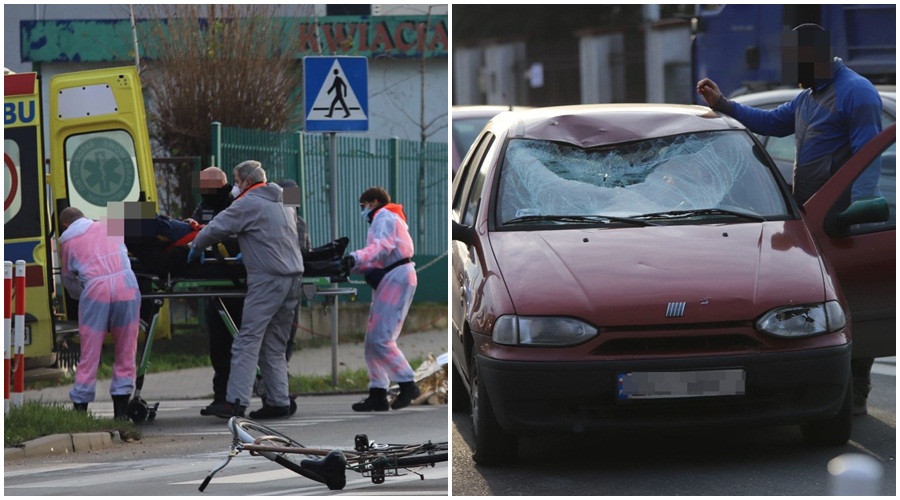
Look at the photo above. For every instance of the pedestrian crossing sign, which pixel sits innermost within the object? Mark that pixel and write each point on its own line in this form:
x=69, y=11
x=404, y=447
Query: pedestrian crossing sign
x=336, y=93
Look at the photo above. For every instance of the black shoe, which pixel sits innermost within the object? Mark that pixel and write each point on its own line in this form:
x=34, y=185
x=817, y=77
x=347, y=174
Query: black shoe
x=80, y=406
x=377, y=401
x=226, y=410
x=408, y=392
x=120, y=407
x=207, y=411
x=268, y=411
x=331, y=470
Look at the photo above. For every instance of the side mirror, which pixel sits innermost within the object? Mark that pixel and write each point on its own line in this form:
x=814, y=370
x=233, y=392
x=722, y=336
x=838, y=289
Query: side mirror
x=465, y=234
x=865, y=211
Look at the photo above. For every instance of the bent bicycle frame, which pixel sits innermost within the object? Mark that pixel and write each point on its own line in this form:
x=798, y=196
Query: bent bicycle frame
x=376, y=461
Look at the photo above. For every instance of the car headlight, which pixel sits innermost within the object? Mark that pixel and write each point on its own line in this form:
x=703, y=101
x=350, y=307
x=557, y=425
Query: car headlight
x=541, y=331
x=803, y=320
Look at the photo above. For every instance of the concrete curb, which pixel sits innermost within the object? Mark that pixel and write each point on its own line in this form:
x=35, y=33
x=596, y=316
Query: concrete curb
x=62, y=444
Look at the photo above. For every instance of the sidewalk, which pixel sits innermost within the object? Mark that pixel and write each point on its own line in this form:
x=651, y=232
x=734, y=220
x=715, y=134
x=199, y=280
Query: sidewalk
x=196, y=383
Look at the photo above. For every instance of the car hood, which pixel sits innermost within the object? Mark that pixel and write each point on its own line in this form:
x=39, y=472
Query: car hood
x=629, y=276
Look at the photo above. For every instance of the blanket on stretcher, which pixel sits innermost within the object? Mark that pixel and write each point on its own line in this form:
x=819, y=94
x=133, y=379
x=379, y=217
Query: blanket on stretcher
x=160, y=247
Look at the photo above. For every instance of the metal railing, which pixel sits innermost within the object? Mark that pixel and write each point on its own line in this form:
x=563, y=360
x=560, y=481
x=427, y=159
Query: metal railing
x=415, y=174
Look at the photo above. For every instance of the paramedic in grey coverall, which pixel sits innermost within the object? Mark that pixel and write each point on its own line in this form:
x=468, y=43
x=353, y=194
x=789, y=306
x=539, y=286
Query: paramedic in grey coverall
x=267, y=234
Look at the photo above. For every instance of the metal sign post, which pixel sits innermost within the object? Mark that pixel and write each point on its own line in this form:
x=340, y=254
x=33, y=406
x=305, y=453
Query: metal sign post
x=332, y=159
x=336, y=99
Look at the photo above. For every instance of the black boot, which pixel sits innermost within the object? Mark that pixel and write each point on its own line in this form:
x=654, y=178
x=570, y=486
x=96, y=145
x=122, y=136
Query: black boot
x=331, y=470
x=217, y=401
x=269, y=411
x=120, y=407
x=408, y=392
x=226, y=410
x=377, y=401
x=80, y=407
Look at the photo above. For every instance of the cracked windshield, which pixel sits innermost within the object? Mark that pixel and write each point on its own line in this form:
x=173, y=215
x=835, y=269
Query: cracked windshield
x=687, y=172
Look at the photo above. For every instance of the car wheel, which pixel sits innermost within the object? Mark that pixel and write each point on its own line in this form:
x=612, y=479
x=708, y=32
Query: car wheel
x=834, y=431
x=493, y=445
x=458, y=392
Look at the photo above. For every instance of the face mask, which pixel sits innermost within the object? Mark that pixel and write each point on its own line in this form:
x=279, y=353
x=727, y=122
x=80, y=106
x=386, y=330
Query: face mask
x=365, y=214
x=235, y=192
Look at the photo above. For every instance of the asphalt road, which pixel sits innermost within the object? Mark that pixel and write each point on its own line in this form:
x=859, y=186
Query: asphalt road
x=180, y=447
x=743, y=461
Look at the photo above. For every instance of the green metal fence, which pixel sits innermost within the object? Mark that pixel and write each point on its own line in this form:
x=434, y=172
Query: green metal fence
x=415, y=176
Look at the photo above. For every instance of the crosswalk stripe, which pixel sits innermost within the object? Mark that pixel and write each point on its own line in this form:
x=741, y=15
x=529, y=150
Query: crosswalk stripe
x=42, y=470
x=117, y=475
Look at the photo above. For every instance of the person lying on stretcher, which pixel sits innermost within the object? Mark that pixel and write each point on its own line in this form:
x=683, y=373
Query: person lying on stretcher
x=160, y=246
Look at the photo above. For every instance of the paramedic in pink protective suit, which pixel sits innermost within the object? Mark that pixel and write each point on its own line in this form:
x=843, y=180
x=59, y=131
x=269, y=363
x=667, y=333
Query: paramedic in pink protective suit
x=386, y=261
x=96, y=272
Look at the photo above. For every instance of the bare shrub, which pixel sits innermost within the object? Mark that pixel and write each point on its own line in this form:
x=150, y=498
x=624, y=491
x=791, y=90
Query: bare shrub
x=234, y=64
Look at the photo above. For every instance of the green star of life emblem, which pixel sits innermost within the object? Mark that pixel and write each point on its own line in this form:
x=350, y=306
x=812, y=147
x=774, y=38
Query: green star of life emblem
x=102, y=170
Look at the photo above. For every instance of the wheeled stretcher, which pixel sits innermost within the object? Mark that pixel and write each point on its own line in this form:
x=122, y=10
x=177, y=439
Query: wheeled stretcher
x=216, y=278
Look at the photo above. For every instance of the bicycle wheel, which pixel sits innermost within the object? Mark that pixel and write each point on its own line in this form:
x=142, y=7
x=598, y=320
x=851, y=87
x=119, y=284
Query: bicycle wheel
x=407, y=455
x=250, y=432
x=427, y=455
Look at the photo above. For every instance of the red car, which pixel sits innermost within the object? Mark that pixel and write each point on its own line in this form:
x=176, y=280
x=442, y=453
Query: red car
x=638, y=266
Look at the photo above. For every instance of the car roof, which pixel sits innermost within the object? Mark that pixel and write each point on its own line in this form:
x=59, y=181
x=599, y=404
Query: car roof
x=482, y=111
x=599, y=124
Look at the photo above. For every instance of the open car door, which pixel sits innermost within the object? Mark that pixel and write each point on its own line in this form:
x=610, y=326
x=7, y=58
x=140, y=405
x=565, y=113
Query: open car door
x=863, y=254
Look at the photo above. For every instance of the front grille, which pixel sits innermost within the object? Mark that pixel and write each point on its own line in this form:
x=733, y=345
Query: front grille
x=676, y=345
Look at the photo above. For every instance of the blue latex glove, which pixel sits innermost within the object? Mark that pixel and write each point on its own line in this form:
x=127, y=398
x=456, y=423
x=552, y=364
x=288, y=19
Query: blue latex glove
x=196, y=253
x=239, y=258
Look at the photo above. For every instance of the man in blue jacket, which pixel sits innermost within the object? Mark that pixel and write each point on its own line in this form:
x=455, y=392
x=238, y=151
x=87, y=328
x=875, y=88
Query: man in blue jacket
x=837, y=113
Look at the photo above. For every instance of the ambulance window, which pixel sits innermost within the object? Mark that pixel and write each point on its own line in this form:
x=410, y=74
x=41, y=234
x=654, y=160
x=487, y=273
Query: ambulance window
x=101, y=167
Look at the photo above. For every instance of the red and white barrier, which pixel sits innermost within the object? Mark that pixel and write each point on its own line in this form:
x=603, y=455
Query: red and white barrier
x=18, y=393
x=7, y=330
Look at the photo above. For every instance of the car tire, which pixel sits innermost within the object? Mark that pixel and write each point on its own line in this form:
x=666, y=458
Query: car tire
x=493, y=445
x=834, y=431
x=458, y=392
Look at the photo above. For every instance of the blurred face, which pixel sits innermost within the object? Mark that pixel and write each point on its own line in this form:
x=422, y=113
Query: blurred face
x=211, y=181
x=806, y=58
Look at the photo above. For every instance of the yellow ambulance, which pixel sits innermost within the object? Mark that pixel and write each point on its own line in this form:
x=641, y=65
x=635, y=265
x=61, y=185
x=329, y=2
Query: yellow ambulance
x=99, y=153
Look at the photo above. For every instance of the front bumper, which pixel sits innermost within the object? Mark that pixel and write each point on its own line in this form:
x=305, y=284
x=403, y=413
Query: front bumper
x=781, y=388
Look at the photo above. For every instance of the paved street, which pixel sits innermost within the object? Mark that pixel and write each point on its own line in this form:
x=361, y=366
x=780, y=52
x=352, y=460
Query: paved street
x=181, y=447
x=691, y=462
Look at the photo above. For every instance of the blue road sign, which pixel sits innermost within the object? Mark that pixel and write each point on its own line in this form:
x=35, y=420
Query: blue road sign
x=336, y=93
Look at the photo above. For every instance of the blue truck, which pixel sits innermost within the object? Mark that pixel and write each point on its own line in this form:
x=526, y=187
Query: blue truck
x=739, y=46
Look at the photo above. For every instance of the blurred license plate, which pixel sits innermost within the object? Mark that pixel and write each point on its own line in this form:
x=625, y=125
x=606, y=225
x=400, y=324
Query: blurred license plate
x=694, y=384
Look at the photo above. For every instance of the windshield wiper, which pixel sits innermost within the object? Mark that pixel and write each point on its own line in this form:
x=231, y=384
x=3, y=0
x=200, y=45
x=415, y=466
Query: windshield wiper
x=680, y=214
x=577, y=219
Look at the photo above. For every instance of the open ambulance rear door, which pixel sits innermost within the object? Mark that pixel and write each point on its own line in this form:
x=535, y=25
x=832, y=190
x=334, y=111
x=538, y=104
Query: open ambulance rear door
x=99, y=145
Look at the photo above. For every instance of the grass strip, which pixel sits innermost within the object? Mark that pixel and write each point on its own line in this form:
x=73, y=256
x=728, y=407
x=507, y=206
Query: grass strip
x=33, y=420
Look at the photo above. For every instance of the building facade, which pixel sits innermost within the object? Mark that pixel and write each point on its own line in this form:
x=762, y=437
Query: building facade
x=406, y=46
